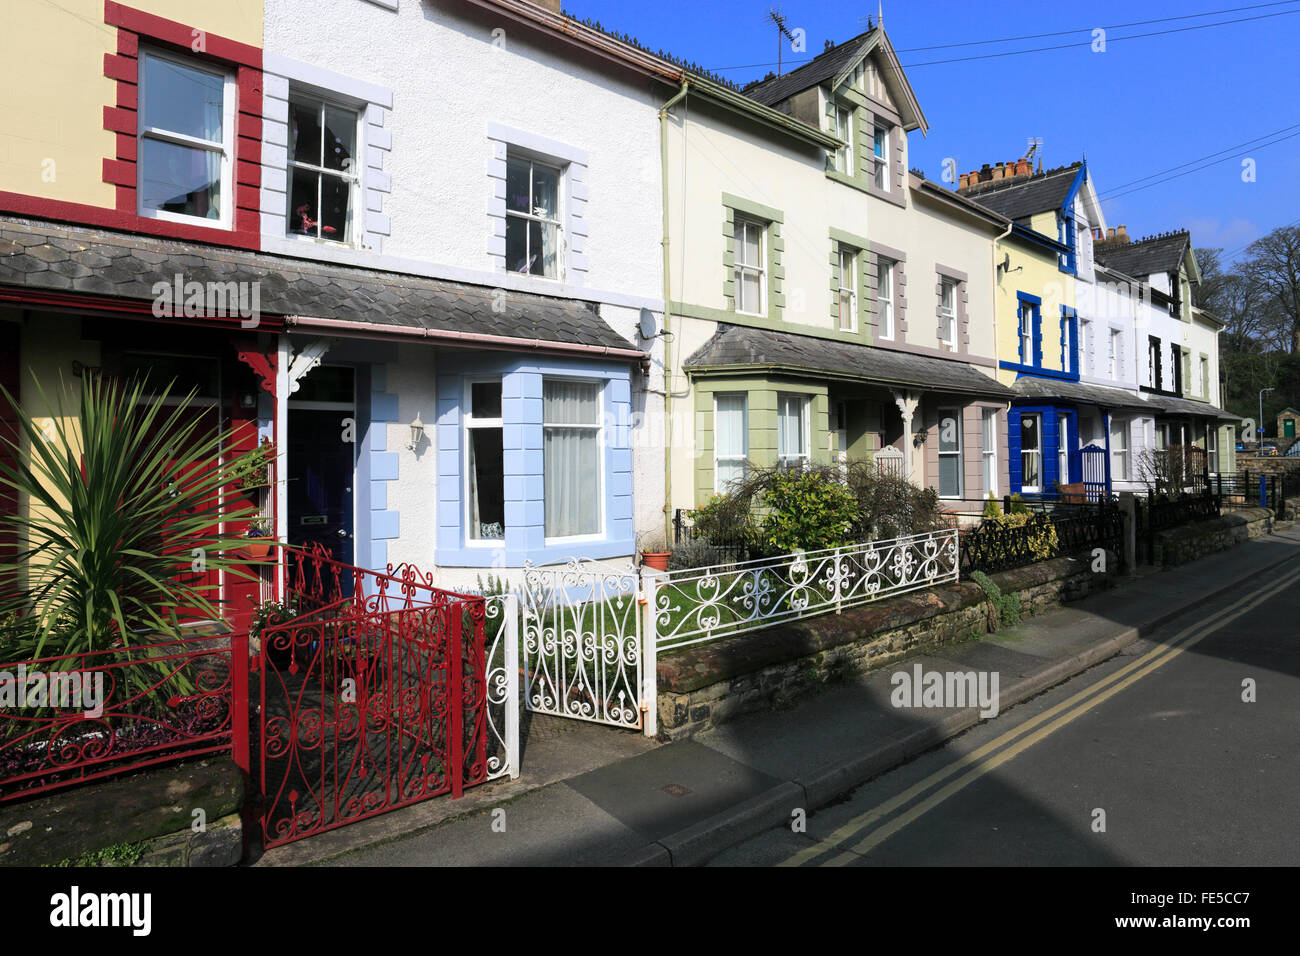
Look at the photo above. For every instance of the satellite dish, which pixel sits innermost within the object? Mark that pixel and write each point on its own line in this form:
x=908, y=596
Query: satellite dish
x=649, y=328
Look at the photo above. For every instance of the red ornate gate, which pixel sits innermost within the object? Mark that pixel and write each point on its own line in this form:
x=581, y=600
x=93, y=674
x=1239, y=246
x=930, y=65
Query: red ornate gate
x=373, y=697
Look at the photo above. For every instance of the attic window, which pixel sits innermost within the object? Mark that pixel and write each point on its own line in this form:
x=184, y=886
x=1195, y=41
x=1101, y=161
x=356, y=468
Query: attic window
x=880, y=155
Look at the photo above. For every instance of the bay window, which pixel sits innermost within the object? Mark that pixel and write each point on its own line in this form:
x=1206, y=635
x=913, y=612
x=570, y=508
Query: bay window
x=485, y=464
x=186, y=140
x=989, y=436
x=571, y=457
x=323, y=169
x=950, y=482
x=730, y=439
x=533, y=226
x=792, y=430
x=1031, y=458
x=1118, y=449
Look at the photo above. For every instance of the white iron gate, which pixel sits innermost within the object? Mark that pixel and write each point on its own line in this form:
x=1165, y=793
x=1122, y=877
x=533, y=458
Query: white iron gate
x=583, y=648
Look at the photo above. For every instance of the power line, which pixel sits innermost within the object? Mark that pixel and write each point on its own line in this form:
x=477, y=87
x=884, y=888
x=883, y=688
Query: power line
x=1221, y=152
x=1064, y=46
x=1115, y=195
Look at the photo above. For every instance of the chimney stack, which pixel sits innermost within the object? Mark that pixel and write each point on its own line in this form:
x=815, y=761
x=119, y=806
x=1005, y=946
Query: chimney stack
x=1121, y=232
x=964, y=182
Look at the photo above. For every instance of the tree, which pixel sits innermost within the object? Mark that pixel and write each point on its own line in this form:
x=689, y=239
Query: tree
x=1273, y=264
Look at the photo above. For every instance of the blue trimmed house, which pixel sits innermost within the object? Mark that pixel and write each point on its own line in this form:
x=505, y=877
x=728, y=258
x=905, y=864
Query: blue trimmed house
x=1063, y=430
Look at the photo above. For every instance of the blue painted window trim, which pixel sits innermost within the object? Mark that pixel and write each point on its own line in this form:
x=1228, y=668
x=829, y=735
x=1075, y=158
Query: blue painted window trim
x=1068, y=262
x=1070, y=342
x=522, y=435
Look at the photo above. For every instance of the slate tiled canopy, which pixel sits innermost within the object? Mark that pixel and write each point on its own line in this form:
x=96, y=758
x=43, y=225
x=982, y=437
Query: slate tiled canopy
x=735, y=348
x=37, y=255
x=1053, y=390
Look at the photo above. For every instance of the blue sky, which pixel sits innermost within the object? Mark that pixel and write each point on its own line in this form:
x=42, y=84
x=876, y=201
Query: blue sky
x=1143, y=106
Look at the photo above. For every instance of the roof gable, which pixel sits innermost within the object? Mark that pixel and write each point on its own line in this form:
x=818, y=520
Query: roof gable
x=836, y=66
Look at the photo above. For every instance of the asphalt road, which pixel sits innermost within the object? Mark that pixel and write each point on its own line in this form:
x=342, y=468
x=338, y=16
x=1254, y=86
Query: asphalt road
x=1152, y=758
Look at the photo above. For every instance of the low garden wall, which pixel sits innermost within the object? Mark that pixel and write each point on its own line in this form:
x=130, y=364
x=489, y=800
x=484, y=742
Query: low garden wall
x=1191, y=541
x=146, y=819
x=708, y=684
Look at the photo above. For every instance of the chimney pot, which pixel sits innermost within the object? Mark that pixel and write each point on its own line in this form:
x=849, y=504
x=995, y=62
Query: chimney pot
x=998, y=171
x=964, y=182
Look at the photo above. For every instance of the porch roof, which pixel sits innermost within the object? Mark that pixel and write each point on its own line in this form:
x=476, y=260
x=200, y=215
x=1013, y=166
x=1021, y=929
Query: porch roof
x=736, y=348
x=1184, y=406
x=1078, y=393
x=54, y=258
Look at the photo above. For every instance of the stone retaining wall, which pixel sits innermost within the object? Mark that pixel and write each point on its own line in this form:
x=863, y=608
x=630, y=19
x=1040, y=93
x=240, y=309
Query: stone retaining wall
x=709, y=684
x=154, y=807
x=1196, y=540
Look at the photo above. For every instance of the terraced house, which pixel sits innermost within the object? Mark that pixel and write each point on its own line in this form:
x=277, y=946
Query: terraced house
x=436, y=283
x=1176, y=349
x=827, y=304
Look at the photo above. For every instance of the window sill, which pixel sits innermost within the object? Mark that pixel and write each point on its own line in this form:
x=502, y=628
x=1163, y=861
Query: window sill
x=182, y=220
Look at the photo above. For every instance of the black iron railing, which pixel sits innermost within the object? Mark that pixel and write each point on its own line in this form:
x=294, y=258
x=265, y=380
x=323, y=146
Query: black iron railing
x=1062, y=531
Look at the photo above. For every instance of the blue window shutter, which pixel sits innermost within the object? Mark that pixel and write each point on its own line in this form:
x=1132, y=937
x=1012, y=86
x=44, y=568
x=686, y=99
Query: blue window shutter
x=1038, y=337
x=1013, y=450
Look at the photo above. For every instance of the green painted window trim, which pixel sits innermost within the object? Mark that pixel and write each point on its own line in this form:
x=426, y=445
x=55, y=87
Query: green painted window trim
x=862, y=248
x=761, y=403
x=774, y=295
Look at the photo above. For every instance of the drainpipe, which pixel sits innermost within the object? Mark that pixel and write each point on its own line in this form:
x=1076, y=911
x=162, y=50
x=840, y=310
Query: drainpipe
x=668, y=308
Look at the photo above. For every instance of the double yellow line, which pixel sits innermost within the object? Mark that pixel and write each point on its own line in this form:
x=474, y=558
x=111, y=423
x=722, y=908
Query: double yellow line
x=991, y=756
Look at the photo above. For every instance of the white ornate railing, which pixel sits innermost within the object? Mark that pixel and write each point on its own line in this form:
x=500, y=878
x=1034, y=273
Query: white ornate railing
x=704, y=604
x=889, y=461
x=501, y=625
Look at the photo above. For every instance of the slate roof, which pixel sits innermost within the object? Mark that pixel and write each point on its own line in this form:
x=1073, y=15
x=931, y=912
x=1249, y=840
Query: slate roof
x=1154, y=255
x=1184, y=406
x=1058, y=390
x=1026, y=196
x=736, y=346
x=823, y=67
x=52, y=256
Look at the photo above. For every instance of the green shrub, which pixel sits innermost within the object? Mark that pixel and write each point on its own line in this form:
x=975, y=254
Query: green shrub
x=727, y=519
x=1018, y=506
x=991, y=507
x=890, y=506
x=808, y=509
x=1043, y=542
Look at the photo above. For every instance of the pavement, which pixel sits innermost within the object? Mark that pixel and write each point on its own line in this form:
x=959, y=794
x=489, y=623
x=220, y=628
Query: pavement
x=592, y=795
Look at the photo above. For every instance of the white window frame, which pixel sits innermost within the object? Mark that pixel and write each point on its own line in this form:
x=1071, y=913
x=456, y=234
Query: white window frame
x=561, y=181
x=1037, y=452
x=599, y=429
x=1212, y=448
x=989, y=452
x=956, y=415
x=844, y=130
x=226, y=147
x=743, y=458
x=1113, y=355
x=1025, y=331
x=470, y=422
x=848, y=266
x=352, y=178
x=880, y=173
x=743, y=268
x=805, y=413
x=1205, y=377
x=885, y=303
x=1085, y=333
x=948, y=313
x=1119, y=427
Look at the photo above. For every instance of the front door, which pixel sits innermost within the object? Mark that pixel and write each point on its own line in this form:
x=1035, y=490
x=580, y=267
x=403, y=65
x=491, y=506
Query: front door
x=1288, y=428
x=322, y=453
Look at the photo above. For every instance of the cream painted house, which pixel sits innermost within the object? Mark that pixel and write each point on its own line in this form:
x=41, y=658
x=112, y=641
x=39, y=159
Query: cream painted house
x=827, y=305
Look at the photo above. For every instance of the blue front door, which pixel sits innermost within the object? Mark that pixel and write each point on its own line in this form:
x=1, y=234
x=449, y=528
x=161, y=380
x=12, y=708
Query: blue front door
x=321, y=449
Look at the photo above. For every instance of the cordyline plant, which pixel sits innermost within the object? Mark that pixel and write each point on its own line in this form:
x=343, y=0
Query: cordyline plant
x=121, y=507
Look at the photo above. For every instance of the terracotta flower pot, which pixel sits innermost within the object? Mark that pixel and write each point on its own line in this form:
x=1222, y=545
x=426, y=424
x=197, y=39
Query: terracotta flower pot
x=658, y=560
x=257, y=549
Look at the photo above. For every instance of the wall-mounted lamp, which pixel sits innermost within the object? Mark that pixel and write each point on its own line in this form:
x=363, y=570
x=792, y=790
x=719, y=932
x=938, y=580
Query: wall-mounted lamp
x=417, y=433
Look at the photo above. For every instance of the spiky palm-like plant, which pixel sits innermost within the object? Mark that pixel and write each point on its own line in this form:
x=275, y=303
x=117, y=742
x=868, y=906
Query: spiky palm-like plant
x=124, y=511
